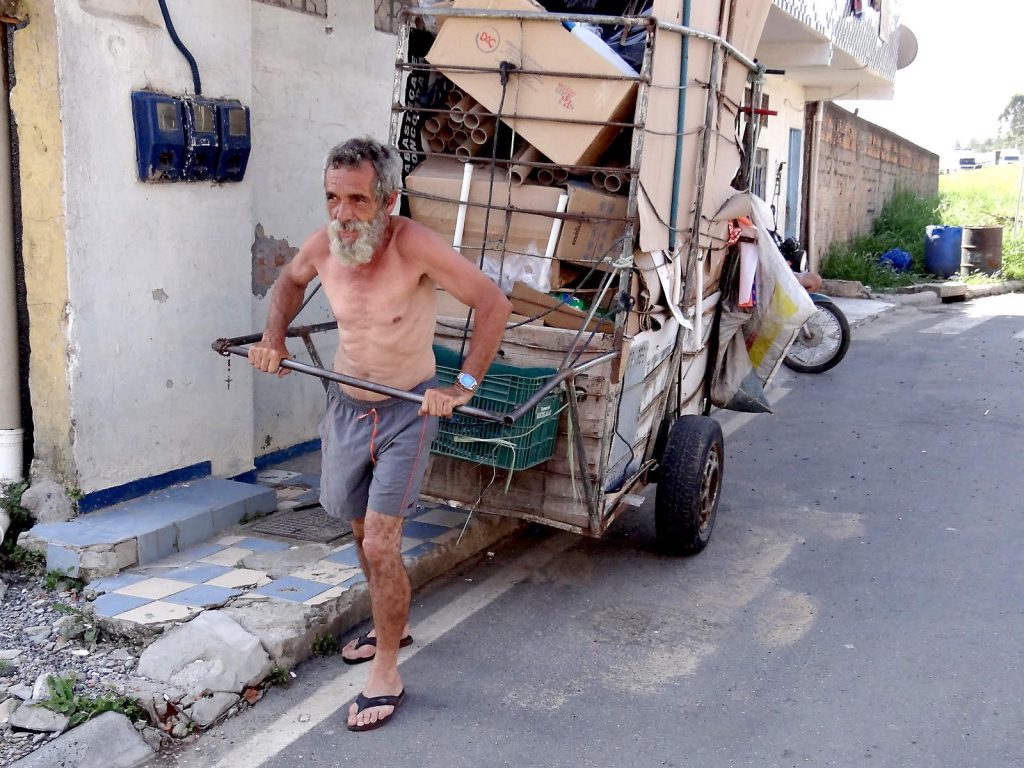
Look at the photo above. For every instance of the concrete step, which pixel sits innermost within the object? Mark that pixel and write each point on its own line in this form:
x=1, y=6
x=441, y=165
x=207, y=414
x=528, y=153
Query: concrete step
x=147, y=529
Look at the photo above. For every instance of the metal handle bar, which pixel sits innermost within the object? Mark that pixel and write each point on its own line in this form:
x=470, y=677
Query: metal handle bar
x=224, y=347
x=227, y=347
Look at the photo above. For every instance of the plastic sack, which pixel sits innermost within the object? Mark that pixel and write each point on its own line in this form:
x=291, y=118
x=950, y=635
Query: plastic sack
x=782, y=303
x=735, y=385
x=896, y=259
x=529, y=268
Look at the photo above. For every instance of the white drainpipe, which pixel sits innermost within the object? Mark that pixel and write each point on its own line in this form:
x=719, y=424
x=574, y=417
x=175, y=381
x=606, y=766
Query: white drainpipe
x=813, y=257
x=10, y=399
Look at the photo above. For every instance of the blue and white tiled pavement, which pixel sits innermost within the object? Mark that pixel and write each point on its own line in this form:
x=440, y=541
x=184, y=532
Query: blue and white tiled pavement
x=211, y=574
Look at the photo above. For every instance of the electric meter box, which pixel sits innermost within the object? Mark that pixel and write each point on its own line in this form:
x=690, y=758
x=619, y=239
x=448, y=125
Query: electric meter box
x=202, y=139
x=235, y=140
x=159, y=136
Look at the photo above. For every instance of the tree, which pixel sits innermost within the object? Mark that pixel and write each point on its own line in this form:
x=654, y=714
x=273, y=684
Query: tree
x=1012, y=119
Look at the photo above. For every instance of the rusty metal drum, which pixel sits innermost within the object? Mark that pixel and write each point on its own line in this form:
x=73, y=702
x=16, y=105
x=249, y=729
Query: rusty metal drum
x=981, y=250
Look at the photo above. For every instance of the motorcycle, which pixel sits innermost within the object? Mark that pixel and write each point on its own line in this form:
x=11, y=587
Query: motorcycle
x=822, y=341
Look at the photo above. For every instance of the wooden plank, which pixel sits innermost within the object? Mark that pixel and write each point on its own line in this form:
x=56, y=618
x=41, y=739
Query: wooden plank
x=531, y=491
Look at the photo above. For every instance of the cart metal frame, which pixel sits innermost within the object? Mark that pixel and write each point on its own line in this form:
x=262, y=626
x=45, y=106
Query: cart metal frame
x=602, y=507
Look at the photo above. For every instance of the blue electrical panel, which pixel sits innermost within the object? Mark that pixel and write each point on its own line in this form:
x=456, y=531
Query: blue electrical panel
x=202, y=139
x=235, y=141
x=159, y=136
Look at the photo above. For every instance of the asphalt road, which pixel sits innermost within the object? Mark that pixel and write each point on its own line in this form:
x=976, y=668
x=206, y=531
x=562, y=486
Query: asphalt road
x=861, y=602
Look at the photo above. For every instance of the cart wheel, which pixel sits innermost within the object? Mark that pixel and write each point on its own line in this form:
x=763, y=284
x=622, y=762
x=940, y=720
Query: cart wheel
x=689, y=485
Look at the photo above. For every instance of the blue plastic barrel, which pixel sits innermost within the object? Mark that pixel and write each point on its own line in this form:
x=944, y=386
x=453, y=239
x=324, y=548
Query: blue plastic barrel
x=942, y=250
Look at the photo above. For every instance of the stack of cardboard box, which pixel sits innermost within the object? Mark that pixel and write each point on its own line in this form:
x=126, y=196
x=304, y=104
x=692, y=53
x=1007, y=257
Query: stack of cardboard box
x=564, y=125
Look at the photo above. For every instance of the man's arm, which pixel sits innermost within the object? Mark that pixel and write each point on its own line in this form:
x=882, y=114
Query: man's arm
x=285, y=301
x=463, y=280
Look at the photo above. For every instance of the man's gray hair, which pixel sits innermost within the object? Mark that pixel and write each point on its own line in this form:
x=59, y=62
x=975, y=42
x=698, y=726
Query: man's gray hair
x=385, y=161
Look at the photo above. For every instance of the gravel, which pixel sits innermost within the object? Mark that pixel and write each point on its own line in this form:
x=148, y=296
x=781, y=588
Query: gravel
x=34, y=629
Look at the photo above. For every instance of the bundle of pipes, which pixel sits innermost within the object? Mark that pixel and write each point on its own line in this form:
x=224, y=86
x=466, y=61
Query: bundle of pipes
x=439, y=132
x=611, y=178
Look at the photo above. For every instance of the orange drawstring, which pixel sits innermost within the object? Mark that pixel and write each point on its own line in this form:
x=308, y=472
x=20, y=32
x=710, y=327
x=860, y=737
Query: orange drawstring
x=373, y=435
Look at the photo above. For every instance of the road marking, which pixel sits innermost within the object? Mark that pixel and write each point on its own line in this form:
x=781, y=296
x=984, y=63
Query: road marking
x=956, y=325
x=735, y=420
x=1019, y=335
x=326, y=701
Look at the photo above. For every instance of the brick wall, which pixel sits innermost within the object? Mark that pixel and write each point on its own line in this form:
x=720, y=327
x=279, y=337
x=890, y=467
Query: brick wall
x=859, y=166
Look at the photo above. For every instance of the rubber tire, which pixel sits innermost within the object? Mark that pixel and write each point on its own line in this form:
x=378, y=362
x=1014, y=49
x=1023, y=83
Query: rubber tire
x=840, y=353
x=689, y=486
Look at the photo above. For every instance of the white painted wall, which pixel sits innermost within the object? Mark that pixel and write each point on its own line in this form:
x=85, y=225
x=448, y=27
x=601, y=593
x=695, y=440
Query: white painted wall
x=157, y=272
x=787, y=99
x=315, y=87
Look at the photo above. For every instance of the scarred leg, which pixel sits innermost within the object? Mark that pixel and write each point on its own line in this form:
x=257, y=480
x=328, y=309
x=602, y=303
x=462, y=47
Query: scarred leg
x=389, y=596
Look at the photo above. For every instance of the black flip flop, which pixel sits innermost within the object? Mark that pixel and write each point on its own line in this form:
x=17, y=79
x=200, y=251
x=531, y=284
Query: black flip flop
x=367, y=640
x=366, y=702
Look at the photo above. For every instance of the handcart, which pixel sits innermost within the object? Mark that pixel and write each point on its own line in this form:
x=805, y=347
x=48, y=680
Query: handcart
x=605, y=386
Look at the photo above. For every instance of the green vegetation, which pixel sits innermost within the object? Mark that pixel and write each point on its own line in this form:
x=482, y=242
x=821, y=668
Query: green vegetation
x=985, y=197
x=61, y=581
x=325, y=645
x=279, y=676
x=79, y=708
x=900, y=224
x=13, y=557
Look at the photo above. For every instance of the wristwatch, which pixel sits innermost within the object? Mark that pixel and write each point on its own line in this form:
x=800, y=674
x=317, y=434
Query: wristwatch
x=467, y=381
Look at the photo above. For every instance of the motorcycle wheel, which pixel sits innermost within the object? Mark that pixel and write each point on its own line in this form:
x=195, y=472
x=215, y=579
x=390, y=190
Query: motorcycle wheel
x=821, y=342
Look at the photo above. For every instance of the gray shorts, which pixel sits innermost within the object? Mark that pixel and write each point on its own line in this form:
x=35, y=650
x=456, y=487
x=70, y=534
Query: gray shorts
x=374, y=454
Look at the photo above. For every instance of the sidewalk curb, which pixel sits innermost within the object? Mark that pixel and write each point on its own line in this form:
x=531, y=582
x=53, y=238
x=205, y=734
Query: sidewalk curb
x=290, y=632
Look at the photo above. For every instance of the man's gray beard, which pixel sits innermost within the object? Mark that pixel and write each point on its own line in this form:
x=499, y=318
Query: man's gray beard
x=371, y=234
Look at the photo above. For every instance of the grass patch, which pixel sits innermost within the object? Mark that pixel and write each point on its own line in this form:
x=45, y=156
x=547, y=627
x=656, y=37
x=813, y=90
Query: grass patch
x=279, y=676
x=900, y=224
x=325, y=645
x=981, y=198
x=78, y=708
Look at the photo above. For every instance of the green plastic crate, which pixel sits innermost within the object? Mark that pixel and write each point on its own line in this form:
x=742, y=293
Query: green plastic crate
x=531, y=440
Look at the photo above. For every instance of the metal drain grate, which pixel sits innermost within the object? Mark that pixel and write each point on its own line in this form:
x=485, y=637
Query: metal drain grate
x=309, y=524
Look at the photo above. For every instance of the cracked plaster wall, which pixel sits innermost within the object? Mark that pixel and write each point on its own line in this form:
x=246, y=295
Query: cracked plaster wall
x=129, y=283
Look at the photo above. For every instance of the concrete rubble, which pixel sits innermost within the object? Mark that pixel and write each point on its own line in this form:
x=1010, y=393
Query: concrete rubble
x=209, y=654
x=89, y=746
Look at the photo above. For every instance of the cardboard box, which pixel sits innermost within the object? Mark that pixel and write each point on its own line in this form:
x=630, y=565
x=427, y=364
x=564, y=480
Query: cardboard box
x=528, y=302
x=528, y=233
x=539, y=46
x=585, y=243
x=451, y=308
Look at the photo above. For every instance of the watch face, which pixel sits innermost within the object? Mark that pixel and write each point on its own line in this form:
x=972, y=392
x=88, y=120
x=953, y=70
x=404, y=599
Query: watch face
x=467, y=381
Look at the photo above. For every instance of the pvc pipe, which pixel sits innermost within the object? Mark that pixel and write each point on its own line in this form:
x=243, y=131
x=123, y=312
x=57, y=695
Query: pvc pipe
x=460, y=219
x=11, y=454
x=684, y=66
x=556, y=227
x=812, y=201
x=11, y=434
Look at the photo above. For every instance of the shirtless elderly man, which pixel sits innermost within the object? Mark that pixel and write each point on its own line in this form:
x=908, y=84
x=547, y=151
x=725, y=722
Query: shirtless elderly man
x=379, y=274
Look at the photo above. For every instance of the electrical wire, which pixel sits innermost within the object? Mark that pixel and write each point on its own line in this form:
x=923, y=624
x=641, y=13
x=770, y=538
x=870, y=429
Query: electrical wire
x=181, y=47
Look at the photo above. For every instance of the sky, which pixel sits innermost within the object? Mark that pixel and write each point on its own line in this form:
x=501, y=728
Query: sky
x=967, y=68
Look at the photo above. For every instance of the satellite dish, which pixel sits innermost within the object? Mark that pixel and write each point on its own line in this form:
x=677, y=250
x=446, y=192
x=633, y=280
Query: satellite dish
x=907, y=47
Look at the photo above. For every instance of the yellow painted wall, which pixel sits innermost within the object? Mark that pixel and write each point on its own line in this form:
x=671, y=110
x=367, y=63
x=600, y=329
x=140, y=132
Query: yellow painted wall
x=35, y=102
